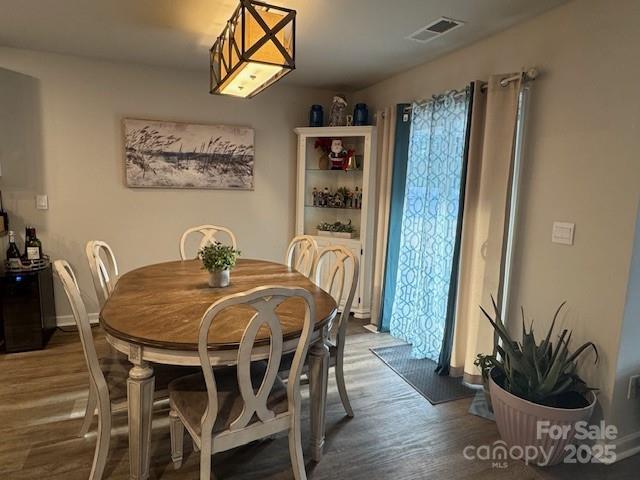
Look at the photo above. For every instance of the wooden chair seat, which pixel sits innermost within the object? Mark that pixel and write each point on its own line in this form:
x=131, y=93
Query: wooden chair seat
x=188, y=396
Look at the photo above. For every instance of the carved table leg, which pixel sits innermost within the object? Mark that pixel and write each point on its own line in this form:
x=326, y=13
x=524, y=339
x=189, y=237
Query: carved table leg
x=140, y=388
x=318, y=378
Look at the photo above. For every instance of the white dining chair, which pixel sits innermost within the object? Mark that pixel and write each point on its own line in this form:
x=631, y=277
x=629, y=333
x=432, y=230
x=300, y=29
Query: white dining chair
x=301, y=254
x=208, y=233
x=225, y=409
x=104, y=269
x=336, y=272
x=98, y=384
x=107, y=376
x=104, y=273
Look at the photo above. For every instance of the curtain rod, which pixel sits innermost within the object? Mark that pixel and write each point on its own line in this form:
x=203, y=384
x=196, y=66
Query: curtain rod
x=530, y=75
x=456, y=93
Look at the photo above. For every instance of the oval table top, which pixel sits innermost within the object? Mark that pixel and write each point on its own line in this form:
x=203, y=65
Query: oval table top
x=161, y=305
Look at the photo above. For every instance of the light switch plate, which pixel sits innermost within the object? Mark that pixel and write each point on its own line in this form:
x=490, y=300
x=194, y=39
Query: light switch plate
x=42, y=202
x=563, y=233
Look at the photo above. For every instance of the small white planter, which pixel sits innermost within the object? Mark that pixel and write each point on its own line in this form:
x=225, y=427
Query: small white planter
x=518, y=421
x=219, y=278
x=323, y=233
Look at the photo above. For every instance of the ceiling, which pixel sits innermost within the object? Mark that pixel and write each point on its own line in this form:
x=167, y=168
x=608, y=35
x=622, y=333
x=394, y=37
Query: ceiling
x=341, y=44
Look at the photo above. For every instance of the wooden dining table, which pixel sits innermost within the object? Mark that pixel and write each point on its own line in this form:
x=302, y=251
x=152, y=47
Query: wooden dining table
x=153, y=316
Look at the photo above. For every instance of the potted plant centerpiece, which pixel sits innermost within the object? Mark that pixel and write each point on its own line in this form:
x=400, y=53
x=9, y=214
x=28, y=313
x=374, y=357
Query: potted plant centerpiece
x=218, y=260
x=535, y=389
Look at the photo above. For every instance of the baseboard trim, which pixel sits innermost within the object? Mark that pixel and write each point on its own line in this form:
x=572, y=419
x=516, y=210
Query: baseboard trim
x=361, y=313
x=371, y=327
x=69, y=321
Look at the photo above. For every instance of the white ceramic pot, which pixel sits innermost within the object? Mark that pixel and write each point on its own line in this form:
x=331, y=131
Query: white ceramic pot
x=518, y=422
x=219, y=278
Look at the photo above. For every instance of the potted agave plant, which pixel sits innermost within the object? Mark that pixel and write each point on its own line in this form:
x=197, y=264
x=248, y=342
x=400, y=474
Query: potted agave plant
x=533, y=382
x=218, y=260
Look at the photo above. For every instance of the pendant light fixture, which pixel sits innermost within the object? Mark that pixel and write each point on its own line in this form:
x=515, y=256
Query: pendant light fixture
x=256, y=48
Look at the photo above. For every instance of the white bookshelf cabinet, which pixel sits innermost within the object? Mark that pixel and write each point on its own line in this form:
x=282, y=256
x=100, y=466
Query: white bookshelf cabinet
x=311, y=174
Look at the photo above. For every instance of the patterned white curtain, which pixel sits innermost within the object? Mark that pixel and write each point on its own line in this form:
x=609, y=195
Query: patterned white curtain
x=430, y=221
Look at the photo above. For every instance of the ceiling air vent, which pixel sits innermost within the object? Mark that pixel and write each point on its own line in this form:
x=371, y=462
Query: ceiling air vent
x=435, y=29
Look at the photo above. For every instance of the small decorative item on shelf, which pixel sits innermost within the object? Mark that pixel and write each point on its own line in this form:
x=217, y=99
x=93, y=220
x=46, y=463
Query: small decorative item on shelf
x=337, y=155
x=341, y=198
x=349, y=161
x=326, y=196
x=337, y=229
x=349, y=121
x=218, y=260
x=316, y=116
x=324, y=145
x=360, y=114
x=337, y=114
x=357, y=198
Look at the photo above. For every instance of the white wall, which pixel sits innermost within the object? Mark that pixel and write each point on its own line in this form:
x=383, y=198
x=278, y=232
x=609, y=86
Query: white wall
x=76, y=125
x=581, y=165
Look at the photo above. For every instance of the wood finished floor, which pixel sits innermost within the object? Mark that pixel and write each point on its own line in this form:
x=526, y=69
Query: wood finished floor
x=396, y=433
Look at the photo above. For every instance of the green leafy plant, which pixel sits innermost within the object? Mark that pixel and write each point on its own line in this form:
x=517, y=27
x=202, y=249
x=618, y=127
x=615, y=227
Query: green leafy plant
x=484, y=363
x=336, y=227
x=542, y=373
x=216, y=256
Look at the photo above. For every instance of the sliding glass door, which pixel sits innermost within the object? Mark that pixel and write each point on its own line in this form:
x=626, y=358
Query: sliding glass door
x=430, y=226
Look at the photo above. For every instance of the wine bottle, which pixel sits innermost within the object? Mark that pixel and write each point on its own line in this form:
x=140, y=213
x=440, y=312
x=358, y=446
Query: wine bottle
x=13, y=254
x=32, y=246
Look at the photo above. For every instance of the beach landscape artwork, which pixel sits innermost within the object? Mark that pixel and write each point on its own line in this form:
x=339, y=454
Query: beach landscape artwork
x=181, y=155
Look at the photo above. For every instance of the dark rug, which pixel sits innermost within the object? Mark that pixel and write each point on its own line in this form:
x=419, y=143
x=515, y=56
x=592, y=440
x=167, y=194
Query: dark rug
x=421, y=375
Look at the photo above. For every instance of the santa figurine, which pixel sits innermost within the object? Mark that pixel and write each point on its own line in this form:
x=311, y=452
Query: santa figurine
x=337, y=154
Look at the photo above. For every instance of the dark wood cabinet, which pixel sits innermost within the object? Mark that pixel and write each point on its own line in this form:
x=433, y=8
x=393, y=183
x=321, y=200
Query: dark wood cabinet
x=27, y=310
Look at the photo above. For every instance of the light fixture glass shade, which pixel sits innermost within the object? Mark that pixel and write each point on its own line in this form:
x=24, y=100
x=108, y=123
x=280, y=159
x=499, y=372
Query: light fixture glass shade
x=256, y=48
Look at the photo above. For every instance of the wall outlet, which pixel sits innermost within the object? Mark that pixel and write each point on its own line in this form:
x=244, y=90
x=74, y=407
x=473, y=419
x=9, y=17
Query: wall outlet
x=634, y=387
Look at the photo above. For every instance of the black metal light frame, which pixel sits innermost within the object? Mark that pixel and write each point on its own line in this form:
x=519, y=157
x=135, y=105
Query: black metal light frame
x=238, y=20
